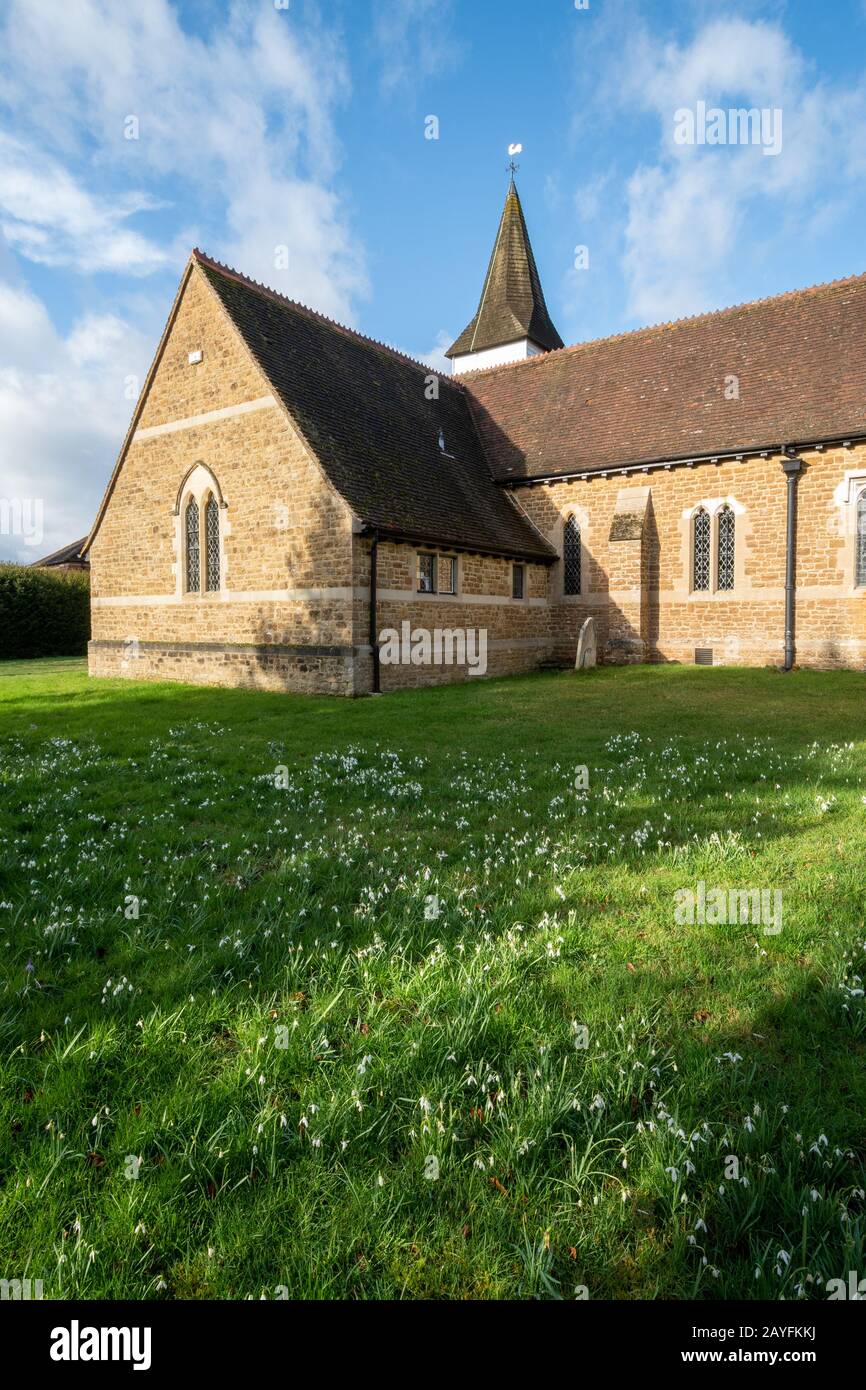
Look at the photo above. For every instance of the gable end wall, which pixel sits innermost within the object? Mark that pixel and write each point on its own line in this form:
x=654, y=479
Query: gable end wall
x=283, y=616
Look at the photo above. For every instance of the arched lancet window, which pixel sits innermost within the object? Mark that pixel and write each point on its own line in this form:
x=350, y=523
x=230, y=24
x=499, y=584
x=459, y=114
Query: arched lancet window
x=861, y=540
x=701, y=552
x=725, y=542
x=212, y=544
x=571, y=556
x=193, y=547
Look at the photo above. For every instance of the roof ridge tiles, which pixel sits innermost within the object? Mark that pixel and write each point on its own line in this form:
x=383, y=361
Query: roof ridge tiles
x=669, y=325
x=202, y=258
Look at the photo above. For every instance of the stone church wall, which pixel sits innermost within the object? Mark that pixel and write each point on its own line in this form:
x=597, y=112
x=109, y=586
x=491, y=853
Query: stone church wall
x=640, y=589
x=517, y=631
x=282, y=618
x=292, y=607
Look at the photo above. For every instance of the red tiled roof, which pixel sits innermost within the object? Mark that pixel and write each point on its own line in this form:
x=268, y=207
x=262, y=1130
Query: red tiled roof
x=660, y=393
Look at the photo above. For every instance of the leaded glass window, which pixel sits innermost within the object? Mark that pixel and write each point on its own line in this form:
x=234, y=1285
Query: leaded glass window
x=861, y=540
x=193, y=544
x=447, y=567
x=701, y=554
x=212, y=542
x=571, y=556
x=727, y=524
x=517, y=577
x=426, y=574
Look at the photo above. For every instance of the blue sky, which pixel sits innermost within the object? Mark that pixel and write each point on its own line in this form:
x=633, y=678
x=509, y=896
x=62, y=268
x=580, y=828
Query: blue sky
x=261, y=127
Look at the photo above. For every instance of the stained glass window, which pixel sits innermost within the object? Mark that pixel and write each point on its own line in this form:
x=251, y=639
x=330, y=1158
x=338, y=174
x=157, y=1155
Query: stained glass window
x=571, y=556
x=727, y=524
x=193, y=544
x=861, y=540
x=701, y=569
x=212, y=541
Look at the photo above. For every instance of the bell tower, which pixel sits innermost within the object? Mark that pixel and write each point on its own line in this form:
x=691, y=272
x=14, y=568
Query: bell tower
x=511, y=321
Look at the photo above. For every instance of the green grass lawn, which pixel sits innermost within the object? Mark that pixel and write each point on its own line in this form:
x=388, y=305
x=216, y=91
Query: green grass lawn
x=316, y=998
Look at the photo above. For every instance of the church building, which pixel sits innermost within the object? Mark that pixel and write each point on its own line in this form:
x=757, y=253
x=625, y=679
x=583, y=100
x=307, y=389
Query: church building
x=292, y=497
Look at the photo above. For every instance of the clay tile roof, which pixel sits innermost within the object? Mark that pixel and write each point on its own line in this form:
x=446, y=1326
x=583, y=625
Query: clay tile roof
x=786, y=370
x=363, y=408
x=512, y=303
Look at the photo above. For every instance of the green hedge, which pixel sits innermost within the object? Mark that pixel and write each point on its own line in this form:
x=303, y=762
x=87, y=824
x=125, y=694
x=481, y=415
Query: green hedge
x=43, y=612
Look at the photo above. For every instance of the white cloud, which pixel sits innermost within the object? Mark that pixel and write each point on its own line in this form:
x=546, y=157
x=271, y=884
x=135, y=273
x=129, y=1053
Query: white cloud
x=435, y=357
x=47, y=217
x=236, y=152
x=697, y=214
x=64, y=408
x=325, y=265
x=416, y=41
x=236, y=130
x=590, y=198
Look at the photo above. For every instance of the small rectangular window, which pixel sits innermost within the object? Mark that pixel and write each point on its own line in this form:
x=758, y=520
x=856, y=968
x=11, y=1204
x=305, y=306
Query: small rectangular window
x=447, y=567
x=517, y=581
x=426, y=574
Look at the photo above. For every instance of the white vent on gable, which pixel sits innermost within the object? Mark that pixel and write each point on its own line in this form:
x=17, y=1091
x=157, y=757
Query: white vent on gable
x=195, y=357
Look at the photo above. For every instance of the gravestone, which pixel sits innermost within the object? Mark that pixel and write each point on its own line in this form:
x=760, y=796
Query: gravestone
x=587, y=652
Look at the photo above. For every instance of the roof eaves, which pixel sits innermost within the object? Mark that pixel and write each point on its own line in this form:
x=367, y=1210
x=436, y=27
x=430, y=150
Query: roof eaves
x=684, y=460
x=545, y=554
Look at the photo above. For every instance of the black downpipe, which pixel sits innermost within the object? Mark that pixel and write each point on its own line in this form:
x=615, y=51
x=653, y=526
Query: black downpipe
x=792, y=468
x=374, y=623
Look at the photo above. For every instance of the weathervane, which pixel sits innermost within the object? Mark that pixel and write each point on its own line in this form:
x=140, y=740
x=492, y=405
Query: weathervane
x=513, y=150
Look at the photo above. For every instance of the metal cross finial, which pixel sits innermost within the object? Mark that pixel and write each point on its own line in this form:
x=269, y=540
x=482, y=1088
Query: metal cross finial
x=512, y=167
